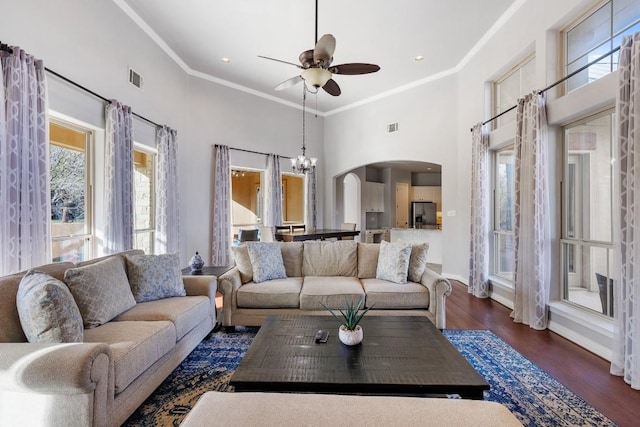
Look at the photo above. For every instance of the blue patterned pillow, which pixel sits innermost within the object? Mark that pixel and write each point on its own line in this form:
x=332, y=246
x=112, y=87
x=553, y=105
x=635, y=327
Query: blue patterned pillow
x=47, y=310
x=266, y=260
x=393, y=262
x=154, y=277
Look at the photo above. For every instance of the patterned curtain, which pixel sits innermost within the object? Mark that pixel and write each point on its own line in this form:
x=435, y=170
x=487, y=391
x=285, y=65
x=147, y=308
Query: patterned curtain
x=311, y=205
x=480, y=214
x=626, y=345
x=167, y=218
x=119, y=226
x=221, y=239
x=532, y=218
x=25, y=205
x=272, y=192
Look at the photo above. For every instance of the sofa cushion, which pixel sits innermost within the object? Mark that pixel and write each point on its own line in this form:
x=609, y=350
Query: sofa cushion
x=266, y=260
x=101, y=290
x=185, y=313
x=153, y=277
x=278, y=293
x=292, y=258
x=330, y=291
x=11, y=330
x=241, y=257
x=47, y=310
x=368, y=260
x=330, y=258
x=135, y=346
x=393, y=261
x=387, y=295
x=417, y=262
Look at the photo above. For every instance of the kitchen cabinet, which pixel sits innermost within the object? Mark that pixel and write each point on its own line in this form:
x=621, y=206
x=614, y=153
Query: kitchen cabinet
x=422, y=193
x=373, y=197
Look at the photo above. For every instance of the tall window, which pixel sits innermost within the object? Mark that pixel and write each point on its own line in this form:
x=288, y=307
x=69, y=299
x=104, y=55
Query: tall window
x=292, y=198
x=513, y=85
x=144, y=168
x=246, y=199
x=587, y=245
x=504, y=191
x=70, y=181
x=597, y=34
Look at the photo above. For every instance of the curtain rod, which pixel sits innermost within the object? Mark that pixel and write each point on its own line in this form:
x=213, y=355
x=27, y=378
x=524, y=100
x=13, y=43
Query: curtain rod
x=97, y=95
x=551, y=86
x=255, y=152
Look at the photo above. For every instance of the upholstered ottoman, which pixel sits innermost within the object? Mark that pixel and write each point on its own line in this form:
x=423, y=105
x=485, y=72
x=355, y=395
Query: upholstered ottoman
x=283, y=410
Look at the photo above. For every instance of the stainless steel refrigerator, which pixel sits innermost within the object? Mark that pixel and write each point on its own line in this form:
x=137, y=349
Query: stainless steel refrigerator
x=423, y=215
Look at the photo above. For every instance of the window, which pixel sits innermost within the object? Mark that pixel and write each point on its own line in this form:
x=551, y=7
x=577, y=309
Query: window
x=70, y=182
x=597, y=34
x=504, y=191
x=293, y=198
x=587, y=244
x=246, y=199
x=144, y=168
x=506, y=90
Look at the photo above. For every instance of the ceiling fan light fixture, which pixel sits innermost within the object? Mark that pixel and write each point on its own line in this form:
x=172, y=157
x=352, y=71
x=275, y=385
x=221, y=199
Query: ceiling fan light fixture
x=316, y=77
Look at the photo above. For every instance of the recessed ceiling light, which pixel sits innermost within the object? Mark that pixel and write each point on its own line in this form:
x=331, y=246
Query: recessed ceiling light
x=226, y=60
x=418, y=58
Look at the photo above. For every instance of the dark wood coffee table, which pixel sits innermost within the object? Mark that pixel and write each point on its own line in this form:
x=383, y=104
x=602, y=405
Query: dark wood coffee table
x=398, y=356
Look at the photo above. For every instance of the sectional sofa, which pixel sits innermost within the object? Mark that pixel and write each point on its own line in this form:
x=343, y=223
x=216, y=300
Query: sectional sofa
x=298, y=277
x=131, y=335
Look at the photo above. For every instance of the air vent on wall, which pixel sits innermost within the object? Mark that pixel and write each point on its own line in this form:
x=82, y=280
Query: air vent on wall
x=393, y=127
x=135, y=78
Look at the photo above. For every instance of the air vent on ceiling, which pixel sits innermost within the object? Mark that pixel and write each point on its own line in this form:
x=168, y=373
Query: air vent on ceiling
x=393, y=127
x=135, y=78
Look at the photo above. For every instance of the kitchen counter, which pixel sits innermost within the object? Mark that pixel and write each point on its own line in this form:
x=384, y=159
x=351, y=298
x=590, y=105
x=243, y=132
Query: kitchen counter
x=421, y=235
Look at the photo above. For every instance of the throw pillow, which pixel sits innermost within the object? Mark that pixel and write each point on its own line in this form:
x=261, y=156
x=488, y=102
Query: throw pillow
x=241, y=256
x=266, y=260
x=393, y=262
x=417, y=261
x=48, y=313
x=154, y=277
x=101, y=290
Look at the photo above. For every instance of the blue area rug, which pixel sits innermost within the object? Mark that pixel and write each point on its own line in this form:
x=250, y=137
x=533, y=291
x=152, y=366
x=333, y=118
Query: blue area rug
x=530, y=393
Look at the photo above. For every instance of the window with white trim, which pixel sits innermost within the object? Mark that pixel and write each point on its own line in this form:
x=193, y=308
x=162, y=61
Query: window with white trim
x=144, y=180
x=504, y=200
x=519, y=81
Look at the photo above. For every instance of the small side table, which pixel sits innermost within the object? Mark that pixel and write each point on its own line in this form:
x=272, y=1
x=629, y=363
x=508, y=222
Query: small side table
x=210, y=271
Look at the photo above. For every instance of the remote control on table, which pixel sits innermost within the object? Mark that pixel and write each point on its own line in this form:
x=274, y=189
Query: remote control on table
x=322, y=336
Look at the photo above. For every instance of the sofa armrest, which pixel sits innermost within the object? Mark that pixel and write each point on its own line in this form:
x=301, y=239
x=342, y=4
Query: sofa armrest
x=228, y=284
x=71, y=384
x=202, y=286
x=439, y=289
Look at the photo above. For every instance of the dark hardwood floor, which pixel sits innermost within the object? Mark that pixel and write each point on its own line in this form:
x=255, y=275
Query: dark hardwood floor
x=579, y=370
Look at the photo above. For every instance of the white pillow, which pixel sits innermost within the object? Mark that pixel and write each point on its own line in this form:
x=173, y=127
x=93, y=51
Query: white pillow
x=48, y=313
x=101, y=290
x=266, y=260
x=154, y=277
x=393, y=261
x=417, y=261
x=241, y=256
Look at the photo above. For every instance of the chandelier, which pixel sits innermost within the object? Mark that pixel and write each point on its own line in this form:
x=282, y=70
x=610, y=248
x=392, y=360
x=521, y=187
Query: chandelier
x=302, y=163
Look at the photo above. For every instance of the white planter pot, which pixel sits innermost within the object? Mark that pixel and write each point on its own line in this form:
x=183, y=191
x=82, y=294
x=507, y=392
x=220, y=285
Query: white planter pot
x=348, y=337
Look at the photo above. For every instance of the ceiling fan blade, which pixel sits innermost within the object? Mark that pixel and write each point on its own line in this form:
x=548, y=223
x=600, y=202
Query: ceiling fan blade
x=332, y=88
x=323, y=52
x=354, y=68
x=288, y=83
x=279, y=60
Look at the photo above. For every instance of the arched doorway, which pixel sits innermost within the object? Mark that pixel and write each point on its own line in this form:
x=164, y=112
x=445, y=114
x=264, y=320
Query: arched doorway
x=351, y=200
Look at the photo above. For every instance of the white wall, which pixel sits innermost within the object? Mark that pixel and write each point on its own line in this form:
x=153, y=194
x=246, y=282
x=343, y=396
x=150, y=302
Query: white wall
x=93, y=43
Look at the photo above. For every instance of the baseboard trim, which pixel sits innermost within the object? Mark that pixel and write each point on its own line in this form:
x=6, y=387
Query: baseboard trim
x=581, y=340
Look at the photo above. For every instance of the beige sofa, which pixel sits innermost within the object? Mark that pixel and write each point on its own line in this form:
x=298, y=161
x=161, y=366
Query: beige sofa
x=102, y=380
x=328, y=273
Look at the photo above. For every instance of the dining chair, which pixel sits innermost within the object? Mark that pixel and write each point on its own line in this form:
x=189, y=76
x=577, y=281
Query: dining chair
x=248, y=235
x=283, y=228
x=348, y=226
x=266, y=233
x=298, y=227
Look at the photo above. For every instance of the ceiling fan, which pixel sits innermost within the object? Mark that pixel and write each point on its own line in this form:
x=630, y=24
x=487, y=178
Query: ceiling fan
x=316, y=67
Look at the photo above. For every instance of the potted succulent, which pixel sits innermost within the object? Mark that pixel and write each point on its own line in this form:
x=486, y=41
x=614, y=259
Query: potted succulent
x=350, y=332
